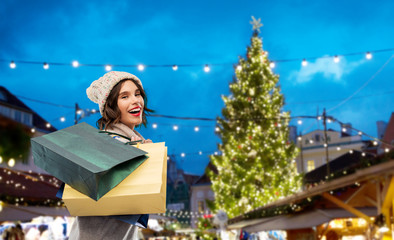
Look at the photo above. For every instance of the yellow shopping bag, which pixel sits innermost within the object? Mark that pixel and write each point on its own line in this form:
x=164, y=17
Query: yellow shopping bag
x=142, y=192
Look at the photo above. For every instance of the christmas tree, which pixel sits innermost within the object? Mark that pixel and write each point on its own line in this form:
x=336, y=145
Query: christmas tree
x=257, y=163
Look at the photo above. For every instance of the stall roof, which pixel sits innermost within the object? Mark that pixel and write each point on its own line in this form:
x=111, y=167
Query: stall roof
x=298, y=221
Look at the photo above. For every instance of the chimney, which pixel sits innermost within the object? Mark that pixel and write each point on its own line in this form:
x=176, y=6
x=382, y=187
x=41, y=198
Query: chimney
x=348, y=129
x=382, y=125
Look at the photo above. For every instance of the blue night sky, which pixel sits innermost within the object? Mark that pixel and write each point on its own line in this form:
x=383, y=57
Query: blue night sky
x=201, y=32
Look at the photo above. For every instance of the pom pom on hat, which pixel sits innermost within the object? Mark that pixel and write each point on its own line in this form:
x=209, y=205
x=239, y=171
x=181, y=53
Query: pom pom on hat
x=99, y=90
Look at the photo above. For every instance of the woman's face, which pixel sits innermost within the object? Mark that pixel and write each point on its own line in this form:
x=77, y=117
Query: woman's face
x=130, y=104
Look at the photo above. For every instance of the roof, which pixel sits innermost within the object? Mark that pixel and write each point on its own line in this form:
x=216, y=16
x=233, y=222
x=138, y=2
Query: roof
x=345, y=162
x=204, y=179
x=12, y=101
x=345, y=187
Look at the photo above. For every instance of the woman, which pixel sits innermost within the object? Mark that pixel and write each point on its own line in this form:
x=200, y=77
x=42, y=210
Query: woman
x=122, y=102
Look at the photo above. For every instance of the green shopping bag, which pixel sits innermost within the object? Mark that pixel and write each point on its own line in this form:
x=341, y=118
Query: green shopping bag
x=91, y=162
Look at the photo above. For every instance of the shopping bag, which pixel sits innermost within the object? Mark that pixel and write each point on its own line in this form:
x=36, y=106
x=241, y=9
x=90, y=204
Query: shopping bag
x=91, y=162
x=142, y=192
x=140, y=220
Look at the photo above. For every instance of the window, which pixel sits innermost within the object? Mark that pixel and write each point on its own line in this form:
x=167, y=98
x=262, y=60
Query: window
x=3, y=96
x=27, y=119
x=310, y=165
x=201, y=207
x=17, y=116
x=5, y=111
x=317, y=137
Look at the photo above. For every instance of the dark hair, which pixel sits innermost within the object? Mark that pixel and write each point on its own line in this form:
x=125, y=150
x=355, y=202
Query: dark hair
x=111, y=112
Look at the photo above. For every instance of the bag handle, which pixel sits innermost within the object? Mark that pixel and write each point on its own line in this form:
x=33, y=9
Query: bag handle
x=120, y=135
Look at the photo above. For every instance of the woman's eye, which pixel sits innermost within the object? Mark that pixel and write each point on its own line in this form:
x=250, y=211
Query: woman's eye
x=124, y=97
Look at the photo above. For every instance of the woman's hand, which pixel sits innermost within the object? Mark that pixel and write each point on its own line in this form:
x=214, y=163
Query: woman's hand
x=147, y=141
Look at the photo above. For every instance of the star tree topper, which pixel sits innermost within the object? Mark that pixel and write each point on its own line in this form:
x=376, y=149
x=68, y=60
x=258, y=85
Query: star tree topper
x=256, y=24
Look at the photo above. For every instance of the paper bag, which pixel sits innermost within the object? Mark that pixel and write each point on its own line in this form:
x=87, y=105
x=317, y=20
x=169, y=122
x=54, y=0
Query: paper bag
x=142, y=192
x=91, y=162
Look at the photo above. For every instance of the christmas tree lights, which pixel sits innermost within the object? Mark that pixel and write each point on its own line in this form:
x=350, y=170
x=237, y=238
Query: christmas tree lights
x=255, y=167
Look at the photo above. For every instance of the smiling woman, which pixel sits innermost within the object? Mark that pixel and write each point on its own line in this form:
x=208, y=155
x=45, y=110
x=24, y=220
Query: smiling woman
x=122, y=103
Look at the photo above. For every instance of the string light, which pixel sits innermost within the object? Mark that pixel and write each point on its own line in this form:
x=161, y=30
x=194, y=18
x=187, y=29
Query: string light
x=351, y=151
x=375, y=143
x=62, y=119
x=11, y=162
x=33, y=130
x=141, y=67
x=46, y=66
x=336, y=59
x=175, y=127
x=196, y=129
x=12, y=65
x=48, y=125
x=154, y=125
x=183, y=154
x=174, y=67
x=368, y=55
x=207, y=68
x=239, y=67
x=386, y=150
x=304, y=62
x=108, y=68
x=299, y=122
x=75, y=64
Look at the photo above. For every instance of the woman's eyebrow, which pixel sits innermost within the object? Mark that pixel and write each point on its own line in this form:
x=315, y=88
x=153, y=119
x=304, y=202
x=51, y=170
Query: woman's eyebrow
x=124, y=92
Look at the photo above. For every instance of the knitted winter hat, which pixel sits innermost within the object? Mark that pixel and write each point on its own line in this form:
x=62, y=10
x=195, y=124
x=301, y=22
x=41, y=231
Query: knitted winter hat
x=100, y=89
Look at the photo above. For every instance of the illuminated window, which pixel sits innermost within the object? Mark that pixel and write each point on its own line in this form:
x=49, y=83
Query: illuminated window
x=311, y=165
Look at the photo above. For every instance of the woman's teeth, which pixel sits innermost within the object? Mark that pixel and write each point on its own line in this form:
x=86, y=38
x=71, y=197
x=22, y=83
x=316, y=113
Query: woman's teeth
x=134, y=111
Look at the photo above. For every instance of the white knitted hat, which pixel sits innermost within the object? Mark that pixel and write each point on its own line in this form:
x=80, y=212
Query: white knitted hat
x=100, y=89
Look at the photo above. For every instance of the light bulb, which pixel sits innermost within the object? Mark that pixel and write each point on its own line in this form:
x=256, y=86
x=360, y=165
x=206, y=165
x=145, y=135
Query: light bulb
x=351, y=151
x=48, y=125
x=200, y=153
x=196, y=129
x=154, y=125
x=62, y=119
x=338, y=148
x=11, y=162
x=368, y=56
x=12, y=65
x=299, y=122
x=343, y=129
x=207, y=68
x=75, y=64
x=304, y=63
x=272, y=65
x=239, y=67
x=175, y=127
x=108, y=68
x=46, y=66
x=183, y=154
x=336, y=59
x=1, y=159
x=174, y=67
x=33, y=130
x=141, y=67
x=217, y=129
x=387, y=150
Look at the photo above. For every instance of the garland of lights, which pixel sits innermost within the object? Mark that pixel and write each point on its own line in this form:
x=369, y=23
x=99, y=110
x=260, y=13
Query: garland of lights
x=175, y=67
